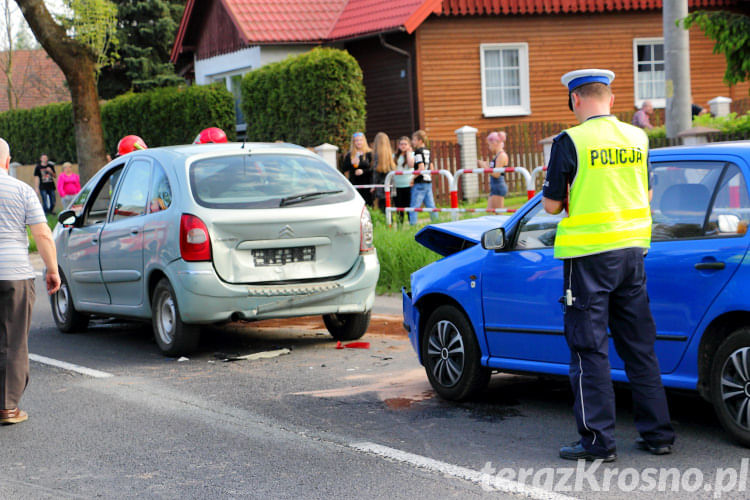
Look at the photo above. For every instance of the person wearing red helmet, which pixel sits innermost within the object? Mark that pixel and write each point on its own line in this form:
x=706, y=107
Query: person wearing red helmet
x=130, y=143
x=209, y=135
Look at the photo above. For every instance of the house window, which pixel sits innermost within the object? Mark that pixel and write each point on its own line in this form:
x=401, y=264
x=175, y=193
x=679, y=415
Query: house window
x=505, y=79
x=233, y=83
x=648, y=59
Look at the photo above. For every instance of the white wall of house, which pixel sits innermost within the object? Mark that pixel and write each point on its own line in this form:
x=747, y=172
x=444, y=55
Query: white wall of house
x=244, y=59
x=229, y=68
x=275, y=53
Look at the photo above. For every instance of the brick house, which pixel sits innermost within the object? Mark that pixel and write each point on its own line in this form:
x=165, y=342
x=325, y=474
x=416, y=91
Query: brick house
x=442, y=64
x=36, y=80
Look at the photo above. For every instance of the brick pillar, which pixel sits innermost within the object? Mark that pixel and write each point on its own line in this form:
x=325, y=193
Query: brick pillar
x=467, y=138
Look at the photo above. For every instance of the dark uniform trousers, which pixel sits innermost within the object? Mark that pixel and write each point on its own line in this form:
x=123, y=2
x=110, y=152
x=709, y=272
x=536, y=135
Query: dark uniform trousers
x=16, y=302
x=610, y=290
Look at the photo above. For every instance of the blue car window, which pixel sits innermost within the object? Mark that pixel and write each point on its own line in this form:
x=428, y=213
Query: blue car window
x=538, y=229
x=730, y=212
x=682, y=192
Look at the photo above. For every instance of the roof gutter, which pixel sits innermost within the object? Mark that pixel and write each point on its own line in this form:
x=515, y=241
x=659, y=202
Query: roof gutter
x=406, y=54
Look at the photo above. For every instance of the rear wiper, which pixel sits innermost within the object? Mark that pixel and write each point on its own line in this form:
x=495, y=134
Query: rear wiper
x=291, y=200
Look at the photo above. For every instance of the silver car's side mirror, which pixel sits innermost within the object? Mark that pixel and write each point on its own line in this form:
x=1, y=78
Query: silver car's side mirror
x=494, y=239
x=67, y=218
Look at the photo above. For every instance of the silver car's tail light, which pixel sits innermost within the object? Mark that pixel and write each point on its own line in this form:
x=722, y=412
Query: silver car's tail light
x=365, y=231
x=195, y=243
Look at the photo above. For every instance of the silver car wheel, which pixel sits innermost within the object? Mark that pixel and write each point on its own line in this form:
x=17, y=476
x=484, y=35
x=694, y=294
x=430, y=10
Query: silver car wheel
x=62, y=301
x=445, y=350
x=167, y=316
x=735, y=387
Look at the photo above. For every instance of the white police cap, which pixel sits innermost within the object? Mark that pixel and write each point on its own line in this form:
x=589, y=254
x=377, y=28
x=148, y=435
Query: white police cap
x=574, y=79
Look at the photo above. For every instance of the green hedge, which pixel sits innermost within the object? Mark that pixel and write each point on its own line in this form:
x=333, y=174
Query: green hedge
x=308, y=99
x=172, y=115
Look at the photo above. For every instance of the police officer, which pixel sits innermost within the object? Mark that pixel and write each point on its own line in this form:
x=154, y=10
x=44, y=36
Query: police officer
x=598, y=172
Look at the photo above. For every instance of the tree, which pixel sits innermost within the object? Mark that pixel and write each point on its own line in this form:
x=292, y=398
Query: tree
x=731, y=32
x=146, y=30
x=78, y=55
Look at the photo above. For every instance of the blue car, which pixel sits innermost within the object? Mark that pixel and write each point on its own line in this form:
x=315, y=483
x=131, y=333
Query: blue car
x=492, y=303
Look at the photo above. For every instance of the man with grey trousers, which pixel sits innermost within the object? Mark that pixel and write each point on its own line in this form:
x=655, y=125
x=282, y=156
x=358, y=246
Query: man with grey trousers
x=19, y=207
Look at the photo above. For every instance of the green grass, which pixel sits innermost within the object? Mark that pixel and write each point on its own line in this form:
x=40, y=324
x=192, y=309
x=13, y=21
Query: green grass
x=400, y=255
x=51, y=221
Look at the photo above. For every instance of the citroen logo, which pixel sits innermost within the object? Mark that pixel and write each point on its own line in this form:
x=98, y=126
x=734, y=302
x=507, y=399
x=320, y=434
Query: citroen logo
x=286, y=232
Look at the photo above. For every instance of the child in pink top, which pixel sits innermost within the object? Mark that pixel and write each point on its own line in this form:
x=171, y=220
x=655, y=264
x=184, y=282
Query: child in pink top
x=68, y=184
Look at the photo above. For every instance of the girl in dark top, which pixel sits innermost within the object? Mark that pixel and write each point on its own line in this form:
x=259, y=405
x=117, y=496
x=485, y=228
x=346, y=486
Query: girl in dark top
x=404, y=161
x=383, y=156
x=358, y=165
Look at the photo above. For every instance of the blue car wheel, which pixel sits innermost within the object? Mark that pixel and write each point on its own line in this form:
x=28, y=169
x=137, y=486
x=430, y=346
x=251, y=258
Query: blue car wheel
x=730, y=385
x=451, y=355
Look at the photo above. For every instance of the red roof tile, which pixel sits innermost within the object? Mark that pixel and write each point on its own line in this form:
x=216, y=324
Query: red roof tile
x=480, y=7
x=284, y=21
x=372, y=16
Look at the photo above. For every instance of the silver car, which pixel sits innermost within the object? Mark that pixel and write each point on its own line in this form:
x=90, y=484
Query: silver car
x=204, y=234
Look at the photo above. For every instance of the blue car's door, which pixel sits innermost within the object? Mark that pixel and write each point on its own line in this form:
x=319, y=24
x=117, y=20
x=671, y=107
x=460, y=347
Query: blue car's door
x=700, y=211
x=520, y=291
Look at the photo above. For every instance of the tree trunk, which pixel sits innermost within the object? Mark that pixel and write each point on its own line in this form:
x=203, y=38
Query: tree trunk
x=77, y=63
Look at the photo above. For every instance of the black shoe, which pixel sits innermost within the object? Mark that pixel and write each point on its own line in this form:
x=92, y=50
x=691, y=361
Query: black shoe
x=654, y=449
x=576, y=451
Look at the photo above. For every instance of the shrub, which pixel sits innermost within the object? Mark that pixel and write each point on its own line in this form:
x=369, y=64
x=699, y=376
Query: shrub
x=172, y=115
x=309, y=99
x=730, y=124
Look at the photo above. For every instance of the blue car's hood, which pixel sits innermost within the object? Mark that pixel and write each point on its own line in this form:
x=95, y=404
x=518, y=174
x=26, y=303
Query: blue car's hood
x=451, y=237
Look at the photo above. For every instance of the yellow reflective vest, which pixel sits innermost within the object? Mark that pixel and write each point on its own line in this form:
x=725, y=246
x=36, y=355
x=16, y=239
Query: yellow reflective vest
x=608, y=206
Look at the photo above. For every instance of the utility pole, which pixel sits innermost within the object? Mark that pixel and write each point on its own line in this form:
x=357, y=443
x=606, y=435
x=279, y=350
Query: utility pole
x=677, y=68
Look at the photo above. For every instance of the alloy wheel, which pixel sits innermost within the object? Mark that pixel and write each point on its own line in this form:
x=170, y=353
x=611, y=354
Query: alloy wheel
x=167, y=318
x=735, y=386
x=62, y=302
x=445, y=352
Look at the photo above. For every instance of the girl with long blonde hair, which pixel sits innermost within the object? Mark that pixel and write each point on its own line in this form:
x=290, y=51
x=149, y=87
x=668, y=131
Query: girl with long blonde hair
x=357, y=165
x=383, y=157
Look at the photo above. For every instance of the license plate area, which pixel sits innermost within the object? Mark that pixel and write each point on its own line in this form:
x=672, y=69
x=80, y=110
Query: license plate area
x=280, y=256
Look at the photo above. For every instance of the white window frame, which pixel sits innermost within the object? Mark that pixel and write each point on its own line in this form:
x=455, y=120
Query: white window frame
x=523, y=60
x=227, y=77
x=638, y=100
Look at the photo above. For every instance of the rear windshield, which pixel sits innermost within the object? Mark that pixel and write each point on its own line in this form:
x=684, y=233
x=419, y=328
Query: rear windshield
x=266, y=181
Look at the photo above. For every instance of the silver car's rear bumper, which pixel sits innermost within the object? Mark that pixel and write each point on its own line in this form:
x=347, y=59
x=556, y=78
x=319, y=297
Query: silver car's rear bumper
x=203, y=298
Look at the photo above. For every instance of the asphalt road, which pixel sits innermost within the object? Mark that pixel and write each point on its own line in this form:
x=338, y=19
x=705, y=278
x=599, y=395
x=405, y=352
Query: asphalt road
x=318, y=423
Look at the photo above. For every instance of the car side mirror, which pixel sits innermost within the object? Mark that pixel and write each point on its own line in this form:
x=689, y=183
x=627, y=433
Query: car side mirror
x=728, y=223
x=494, y=239
x=67, y=218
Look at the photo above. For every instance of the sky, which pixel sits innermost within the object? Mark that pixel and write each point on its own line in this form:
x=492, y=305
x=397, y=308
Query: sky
x=18, y=23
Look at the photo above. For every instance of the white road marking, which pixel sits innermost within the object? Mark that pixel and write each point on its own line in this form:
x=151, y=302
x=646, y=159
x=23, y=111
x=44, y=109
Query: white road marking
x=69, y=366
x=494, y=482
